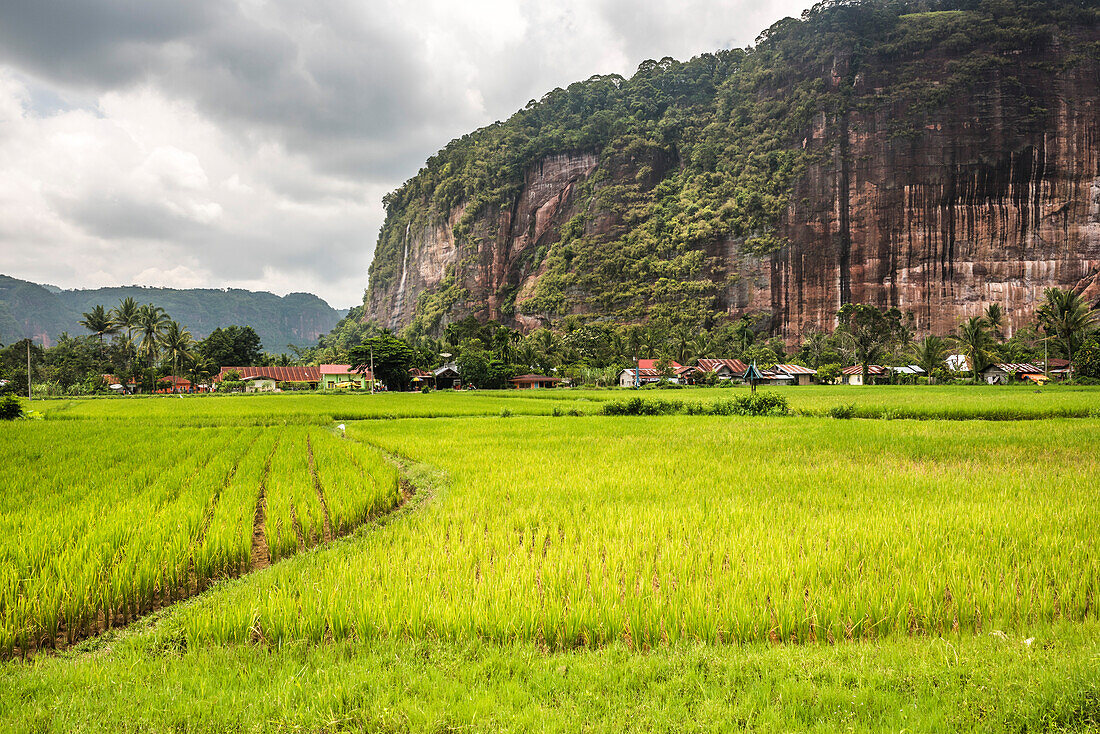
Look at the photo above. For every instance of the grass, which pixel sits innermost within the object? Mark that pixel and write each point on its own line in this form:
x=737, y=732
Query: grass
x=949, y=402
x=980, y=684
x=677, y=530
x=557, y=573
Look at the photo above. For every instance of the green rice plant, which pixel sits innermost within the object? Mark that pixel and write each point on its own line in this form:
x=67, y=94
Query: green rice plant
x=651, y=532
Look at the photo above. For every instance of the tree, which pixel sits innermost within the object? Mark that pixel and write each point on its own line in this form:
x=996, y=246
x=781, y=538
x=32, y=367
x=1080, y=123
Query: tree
x=976, y=344
x=828, y=374
x=473, y=366
x=869, y=332
x=1067, y=316
x=99, y=322
x=152, y=321
x=202, y=370
x=392, y=359
x=995, y=317
x=817, y=349
x=177, y=343
x=930, y=353
x=480, y=369
x=1086, y=362
x=126, y=316
x=237, y=346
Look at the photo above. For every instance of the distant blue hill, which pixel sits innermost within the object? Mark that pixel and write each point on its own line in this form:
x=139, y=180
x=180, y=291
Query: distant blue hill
x=43, y=312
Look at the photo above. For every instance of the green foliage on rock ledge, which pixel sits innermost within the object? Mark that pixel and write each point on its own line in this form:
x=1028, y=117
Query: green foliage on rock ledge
x=697, y=157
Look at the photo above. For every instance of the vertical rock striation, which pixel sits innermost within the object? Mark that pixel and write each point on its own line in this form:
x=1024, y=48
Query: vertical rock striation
x=938, y=170
x=988, y=202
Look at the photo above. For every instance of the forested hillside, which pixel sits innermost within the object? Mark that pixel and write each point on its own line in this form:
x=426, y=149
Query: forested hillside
x=29, y=309
x=935, y=155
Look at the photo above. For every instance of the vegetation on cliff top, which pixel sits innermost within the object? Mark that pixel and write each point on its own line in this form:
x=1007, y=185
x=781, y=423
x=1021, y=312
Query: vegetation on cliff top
x=691, y=154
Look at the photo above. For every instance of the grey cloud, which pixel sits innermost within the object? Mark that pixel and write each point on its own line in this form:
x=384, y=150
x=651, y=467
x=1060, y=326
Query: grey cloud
x=353, y=95
x=100, y=42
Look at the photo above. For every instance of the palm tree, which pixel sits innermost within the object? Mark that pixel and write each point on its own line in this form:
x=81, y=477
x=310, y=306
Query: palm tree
x=682, y=342
x=152, y=321
x=995, y=317
x=201, y=370
x=125, y=316
x=703, y=344
x=976, y=343
x=930, y=353
x=177, y=343
x=815, y=346
x=1068, y=317
x=99, y=322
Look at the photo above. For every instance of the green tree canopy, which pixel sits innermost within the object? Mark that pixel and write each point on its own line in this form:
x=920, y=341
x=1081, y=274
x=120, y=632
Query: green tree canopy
x=237, y=346
x=868, y=332
x=391, y=357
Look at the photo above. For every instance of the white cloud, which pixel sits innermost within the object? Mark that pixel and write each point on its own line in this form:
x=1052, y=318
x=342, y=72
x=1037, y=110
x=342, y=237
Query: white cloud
x=249, y=143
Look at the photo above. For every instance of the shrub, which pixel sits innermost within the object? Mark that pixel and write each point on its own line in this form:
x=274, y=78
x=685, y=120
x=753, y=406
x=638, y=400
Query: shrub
x=425, y=390
x=557, y=412
x=843, y=412
x=761, y=403
x=505, y=413
x=10, y=408
x=638, y=406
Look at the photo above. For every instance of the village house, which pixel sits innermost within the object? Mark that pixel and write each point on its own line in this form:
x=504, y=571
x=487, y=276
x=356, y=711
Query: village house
x=799, y=374
x=342, y=377
x=774, y=377
x=726, y=369
x=266, y=379
x=447, y=377
x=648, y=373
x=1057, y=368
x=534, y=382
x=1004, y=373
x=419, y=378
x=854, y=375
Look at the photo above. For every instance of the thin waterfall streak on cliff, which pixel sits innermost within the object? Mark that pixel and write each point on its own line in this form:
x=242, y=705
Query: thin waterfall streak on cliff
x=404, y=269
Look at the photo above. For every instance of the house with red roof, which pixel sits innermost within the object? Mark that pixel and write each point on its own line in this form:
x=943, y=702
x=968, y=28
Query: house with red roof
x=798, y=374
x=726, y=369
x=854, y=375
x=266, y=379
x=647, y=373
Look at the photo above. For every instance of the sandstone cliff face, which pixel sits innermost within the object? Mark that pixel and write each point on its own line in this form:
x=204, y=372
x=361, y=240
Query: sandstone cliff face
x=498, y=254
x=985, y=204
x=987, y=195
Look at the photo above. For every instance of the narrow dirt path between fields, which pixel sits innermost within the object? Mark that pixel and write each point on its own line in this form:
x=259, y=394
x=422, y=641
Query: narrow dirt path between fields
x=329, y=535
x=416, y=483
x=261, y=554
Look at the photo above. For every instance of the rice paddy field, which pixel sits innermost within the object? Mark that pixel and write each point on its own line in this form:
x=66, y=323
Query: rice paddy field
x=519, y=562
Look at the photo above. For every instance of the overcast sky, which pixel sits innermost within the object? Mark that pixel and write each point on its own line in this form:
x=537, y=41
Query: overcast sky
x=248, y=143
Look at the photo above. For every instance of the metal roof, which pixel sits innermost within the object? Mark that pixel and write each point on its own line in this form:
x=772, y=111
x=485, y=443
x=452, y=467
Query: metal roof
x=712, y=365
x=651, y=364
x=535, y=378
x=795, y=369
x=336, y=369
x=872, y=369
x=279, y=374
x=1024, y=367
x=450, y=366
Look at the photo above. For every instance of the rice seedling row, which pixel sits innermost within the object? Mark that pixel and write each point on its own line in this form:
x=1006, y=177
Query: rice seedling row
x=664, y=531
x=102, y=523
